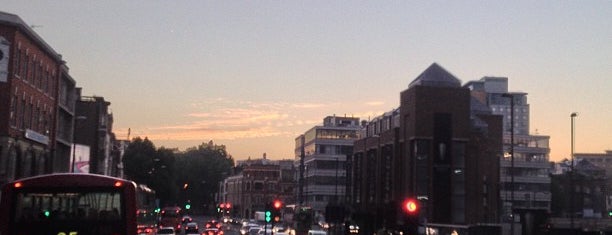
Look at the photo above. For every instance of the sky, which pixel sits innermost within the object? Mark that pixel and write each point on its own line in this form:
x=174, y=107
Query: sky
x=254, y=75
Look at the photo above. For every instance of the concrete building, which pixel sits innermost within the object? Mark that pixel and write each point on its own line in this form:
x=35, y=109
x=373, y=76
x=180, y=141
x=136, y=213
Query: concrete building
x=255, y=183
x=320, y=157
x=36, y=103
x=531, y=182
x=440, y=147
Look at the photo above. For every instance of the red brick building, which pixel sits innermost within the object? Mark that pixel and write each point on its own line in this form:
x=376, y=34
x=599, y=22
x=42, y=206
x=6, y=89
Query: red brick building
x=440, y=146
x=30, y=94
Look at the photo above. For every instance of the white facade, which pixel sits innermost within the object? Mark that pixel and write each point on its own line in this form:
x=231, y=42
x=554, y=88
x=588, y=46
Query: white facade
x=324, y=151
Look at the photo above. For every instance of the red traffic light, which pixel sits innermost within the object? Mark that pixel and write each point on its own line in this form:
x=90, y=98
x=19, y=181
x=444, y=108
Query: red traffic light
x=411, y=206
x=277, y=204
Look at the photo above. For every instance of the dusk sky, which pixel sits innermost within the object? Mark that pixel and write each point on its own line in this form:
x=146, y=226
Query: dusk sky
x=253, y=75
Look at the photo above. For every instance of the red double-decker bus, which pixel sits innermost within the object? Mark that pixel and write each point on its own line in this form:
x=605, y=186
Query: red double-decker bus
x=68, y=204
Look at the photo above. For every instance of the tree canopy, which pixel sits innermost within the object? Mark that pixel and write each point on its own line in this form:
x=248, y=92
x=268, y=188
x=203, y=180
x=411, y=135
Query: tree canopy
x=178, y=177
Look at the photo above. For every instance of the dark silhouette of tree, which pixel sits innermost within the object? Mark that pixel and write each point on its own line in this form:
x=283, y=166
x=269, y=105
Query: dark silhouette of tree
x=138, y=160
x=199, y=172
x=153, y=167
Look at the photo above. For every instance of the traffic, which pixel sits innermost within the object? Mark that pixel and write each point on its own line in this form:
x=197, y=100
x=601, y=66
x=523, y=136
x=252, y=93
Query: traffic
x=73, y=204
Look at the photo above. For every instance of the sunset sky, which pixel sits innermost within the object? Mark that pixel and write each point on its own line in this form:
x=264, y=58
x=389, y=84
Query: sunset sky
x=253, y=75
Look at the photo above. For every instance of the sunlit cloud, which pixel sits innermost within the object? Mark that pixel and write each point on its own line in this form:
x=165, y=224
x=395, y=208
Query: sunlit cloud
x=224, y=119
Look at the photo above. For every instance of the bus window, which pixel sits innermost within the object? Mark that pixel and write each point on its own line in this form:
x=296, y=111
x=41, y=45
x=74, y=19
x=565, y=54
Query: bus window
x=68, y=206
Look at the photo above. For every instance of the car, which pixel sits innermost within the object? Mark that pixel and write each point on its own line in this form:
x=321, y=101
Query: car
x=145, y=230
x=253, y=230
x=212, y=231
x=316, y=232
x=186, y=219
x=166, y=231
x=213, y=224
x=245, y=228
x=192, y=228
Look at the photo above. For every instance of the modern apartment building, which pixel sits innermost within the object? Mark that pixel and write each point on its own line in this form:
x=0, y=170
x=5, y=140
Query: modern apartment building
x=320, y=157
x=529, y=187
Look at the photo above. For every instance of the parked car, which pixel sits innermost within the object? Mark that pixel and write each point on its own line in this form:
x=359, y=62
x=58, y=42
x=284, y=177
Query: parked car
x=166, y=231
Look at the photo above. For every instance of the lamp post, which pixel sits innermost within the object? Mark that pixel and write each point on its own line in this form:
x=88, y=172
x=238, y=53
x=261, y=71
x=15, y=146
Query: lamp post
x=572, y=117
x=511, y=97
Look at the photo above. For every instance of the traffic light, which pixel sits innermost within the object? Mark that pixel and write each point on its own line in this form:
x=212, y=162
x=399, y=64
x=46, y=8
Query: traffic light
x=411, y=209
x=277, y=205
x=268, y=216
x=228, y=207
x=410, y=206
x=188, y=205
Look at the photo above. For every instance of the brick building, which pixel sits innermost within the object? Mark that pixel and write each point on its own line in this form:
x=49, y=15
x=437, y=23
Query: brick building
x=440, y=146
x=36, y=103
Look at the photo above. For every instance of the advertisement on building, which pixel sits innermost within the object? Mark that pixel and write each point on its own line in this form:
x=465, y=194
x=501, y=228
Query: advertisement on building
x=4, y=59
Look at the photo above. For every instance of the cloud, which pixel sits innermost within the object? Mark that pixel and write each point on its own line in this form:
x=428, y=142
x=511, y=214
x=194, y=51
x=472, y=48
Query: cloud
x=221, y=119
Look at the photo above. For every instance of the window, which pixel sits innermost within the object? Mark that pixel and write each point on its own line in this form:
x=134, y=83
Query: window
x=22, y=112
x=17, y=61
x=24, y=71
x=13, y=114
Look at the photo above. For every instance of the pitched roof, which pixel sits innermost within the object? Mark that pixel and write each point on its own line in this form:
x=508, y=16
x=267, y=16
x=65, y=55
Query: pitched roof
x=436, y=76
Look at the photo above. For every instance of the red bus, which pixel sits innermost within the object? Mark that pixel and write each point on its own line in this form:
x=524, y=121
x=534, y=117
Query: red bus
x=146, y=214
x=68, y=204
x=171, y=216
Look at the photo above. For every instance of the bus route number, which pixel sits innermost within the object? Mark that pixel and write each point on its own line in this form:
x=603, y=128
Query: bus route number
x=69, y=233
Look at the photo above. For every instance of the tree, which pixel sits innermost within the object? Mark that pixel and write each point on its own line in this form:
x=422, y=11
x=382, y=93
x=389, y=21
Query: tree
x=156, y=168
x=200, y=169
x=138, y=160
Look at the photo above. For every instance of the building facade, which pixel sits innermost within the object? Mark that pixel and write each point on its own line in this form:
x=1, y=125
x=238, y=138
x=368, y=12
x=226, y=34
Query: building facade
x=437, y=147
x=320, y=157
x=94, y=124
x=255, y=183
x=36, y=114
x=529, y=189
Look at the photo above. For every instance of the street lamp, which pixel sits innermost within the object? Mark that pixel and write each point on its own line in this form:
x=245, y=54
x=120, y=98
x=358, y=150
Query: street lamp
x=511, y=97
x=572, y=117
x=76, y=120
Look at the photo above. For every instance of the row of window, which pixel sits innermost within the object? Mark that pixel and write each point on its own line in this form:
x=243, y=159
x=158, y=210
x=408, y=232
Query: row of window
x=25, y=114
x=32, y=70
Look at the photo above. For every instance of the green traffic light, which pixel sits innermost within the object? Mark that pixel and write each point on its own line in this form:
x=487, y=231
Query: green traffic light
x=188, y=206
x=47, y=213
x=268, y=216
